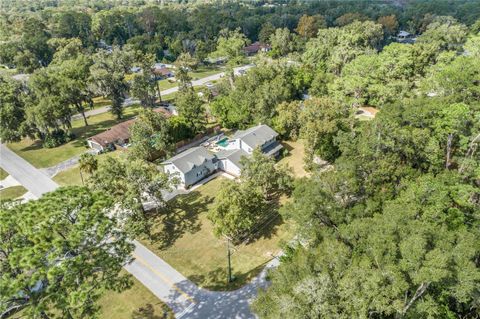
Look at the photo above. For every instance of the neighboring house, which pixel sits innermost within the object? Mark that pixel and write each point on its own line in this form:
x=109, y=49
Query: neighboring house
x=192, y=165
x=261, y=136
x=116, y=136
x=217, y=61
x=367, y=111
x=197, y=163
x=135, y=69
x=163, y=65
x=405, y=37
x=256, y=47
x=163, y=73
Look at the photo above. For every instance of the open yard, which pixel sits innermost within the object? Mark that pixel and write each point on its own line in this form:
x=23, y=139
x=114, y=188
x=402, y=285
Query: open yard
x=41, y=157
x=72, y=177
x=204, y=71
x=294, y=158
x=135, y=303
x=12, y=192
x=185, y=240
x=166, y=84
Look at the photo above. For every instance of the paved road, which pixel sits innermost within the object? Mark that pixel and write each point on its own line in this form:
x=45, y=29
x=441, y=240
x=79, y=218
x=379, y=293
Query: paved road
x=27, y=175
x=180, y=294
x=202, y=81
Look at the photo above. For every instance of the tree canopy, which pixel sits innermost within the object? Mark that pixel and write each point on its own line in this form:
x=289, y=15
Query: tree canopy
x=59, y=253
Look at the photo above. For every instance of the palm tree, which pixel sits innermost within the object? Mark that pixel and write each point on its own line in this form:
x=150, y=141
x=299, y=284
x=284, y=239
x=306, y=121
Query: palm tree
x=87, y=163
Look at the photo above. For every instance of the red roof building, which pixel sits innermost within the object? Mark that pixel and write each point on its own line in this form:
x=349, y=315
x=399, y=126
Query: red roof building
x=118, y=135
x=255, y=47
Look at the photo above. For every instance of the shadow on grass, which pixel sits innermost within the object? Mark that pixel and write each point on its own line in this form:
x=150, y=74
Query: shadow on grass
x=148, y=312
x=216, y=280
x=36, y=145
x=288, y=147
x=180, y=217
x=266, y=227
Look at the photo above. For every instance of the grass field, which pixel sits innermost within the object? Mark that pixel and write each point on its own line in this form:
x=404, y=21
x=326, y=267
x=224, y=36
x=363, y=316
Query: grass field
x=3, y=174
x=100, y=101
x=72, y=177
x=166, y=84
x=294, y=159
x=204, y=71
x=40, y=157
x=185, y=240
x=135, y=303
x=12, y=192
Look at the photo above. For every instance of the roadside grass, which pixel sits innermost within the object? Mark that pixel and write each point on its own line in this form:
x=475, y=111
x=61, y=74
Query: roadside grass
x=71, y=176
x=12, y=192
x=33, y=152
x=185, y=240
x=100, y=101
x=166, y=84
x=3, y=174
x=204, y=71
x=136, y=302
x=294, y=158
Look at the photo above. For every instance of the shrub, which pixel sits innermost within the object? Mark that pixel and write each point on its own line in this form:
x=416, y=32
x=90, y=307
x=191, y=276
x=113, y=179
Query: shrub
x=57, y=138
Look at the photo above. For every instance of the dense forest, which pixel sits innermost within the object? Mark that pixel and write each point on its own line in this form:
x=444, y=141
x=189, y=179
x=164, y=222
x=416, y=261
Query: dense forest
x=387, y=222
x=28, y=29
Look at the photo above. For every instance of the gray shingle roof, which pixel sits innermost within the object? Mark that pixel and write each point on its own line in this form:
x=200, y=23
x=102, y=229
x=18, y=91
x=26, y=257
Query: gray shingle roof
x=233, y=155
x=194, y=156
x=256, y=136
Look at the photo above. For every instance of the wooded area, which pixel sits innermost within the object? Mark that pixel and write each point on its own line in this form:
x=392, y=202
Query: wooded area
x=387, y=220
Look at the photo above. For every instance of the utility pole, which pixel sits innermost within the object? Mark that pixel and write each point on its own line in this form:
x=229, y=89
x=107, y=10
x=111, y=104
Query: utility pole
x=229, y=254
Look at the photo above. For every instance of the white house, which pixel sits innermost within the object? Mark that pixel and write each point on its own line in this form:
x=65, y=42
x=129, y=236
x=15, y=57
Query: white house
x=405, y=37
x=261, y=136
x=192, y=165
x=197, y=163
x=229, y=161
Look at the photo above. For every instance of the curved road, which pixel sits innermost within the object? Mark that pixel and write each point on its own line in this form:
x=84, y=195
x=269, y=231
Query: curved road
x=202, y=81
x=184, y=297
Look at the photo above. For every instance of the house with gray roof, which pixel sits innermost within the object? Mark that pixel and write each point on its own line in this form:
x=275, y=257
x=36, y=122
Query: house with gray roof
x=229, y=161
x=260, y=136
x=191, y=165
x=197, y=163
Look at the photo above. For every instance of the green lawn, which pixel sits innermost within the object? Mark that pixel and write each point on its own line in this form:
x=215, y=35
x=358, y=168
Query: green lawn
x=185, y=240
x=68, y=177
x=204, y=71
x=135, y=303
x=71, y=176
x=40, y=157
x=12, y=192
x=3, y=174
x=100, y=101
x=166, y=84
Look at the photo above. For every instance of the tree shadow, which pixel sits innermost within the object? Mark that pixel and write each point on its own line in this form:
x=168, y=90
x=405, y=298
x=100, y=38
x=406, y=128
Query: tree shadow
x=180, y=217
x=216, y=280
x=36, y=145
x=267, y=226
x=287, y=146
x=148, y=312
